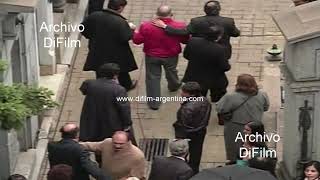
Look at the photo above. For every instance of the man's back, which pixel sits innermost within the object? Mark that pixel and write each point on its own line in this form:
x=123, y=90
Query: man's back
x=68, y=152
x=156, y=42
x=228, y=25
x=170, y=168
x=102, y=113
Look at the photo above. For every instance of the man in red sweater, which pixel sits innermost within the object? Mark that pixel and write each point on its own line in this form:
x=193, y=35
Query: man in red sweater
x=160, y=50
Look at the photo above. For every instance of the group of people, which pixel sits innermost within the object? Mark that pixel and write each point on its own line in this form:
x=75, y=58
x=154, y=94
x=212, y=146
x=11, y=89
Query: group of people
x=106, y=124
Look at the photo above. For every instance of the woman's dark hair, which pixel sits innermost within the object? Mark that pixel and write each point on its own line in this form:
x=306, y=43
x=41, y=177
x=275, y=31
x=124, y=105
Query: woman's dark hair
x=212, y=7
x=60, y=172
x=315, y=164
x=109, y=70
x=247, y=84
x=116, y=4
x=17, y=177
x=256, y=127
x=193, y=88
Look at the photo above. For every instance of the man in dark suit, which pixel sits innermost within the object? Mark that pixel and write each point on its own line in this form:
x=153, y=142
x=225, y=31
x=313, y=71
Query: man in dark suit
x=109, y=32
x=212, y=9
x=103, y=113
x=173, y=167
x=68, y=151
x=207, y=62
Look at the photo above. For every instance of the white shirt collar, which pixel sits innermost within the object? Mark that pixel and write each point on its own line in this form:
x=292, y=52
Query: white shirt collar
x=180, y=158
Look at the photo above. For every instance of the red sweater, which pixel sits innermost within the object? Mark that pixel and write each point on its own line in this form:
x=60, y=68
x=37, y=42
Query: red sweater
x=156, y=42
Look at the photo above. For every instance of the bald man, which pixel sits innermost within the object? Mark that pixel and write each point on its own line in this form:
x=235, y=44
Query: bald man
x=212, y=10
x=119, y=157
x=161, y=50
x=68, y=151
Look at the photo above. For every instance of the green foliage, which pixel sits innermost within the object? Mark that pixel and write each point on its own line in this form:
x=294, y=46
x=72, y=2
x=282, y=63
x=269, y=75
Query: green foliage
x=17, y=102
x=3, y=65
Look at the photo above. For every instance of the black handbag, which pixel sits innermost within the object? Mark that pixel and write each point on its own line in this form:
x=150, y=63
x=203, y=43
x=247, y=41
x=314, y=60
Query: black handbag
x=227, y=116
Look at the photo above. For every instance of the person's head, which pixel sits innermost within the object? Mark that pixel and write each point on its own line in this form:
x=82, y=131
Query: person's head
x=109, y=70
x=117, y=5
x=212, y=8
x=254, y=127
x=179, y=147
x=312, y=170
x=164, y=11
x=120, y=140
x=214, y=32
x=246, y=84
x=190, y=89
x=16, y=177
x=60, y=172
x=69, y=131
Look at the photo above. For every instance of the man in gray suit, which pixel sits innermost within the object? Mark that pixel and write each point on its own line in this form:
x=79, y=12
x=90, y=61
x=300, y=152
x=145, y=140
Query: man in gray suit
x=174, y=167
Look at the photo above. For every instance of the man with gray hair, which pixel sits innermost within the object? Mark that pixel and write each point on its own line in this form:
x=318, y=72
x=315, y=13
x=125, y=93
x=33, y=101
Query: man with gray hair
x=160, y=50
x=174, y=167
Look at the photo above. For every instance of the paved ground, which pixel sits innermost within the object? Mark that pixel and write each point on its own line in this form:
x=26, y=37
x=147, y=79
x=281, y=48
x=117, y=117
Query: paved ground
x=258, y=33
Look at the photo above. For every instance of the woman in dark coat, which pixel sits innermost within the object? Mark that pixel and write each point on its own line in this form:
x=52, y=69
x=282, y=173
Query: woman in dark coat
x=109, y=34
x=207, y=62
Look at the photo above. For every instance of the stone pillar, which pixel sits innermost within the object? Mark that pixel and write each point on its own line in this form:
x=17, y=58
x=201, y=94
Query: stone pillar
x=9, y=148
x=301, y=67
x=46, y=54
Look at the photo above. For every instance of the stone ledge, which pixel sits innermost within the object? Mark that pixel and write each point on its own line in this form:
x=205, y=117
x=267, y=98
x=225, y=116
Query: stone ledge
x=25, y=163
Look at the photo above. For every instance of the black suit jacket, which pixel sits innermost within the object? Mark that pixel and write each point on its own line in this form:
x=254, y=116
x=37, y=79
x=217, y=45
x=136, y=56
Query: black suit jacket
x=102, y=114
x=170, y=168
x=109, y=34
x=195, y=28
x=70, y=152
x=207, y=63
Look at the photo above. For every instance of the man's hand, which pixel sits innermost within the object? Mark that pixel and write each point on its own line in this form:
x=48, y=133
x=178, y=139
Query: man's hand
x=132, y=26
x=159, y=23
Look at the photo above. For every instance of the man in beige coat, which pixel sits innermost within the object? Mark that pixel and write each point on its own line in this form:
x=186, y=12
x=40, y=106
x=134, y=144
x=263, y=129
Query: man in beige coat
x=120, y=158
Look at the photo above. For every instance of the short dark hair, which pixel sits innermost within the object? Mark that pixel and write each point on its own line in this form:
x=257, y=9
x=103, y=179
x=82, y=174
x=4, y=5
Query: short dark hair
x=17, y=177
x=212, y=8
x=116, y=4
x=109, y=70
x=72, y=134
x=256, y=127
x=193, y=88
x=60, y=172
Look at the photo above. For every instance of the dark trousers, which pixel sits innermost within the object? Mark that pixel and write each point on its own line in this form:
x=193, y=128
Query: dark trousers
x=195, y=148
x=215, y=94
x=123, y=78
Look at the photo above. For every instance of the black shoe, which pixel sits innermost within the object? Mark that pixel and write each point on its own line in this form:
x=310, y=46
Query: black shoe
x=133, y=85
x=154, y=108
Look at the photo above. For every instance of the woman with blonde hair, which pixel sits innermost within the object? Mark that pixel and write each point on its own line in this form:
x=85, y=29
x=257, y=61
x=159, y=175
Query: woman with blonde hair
x=246, y=104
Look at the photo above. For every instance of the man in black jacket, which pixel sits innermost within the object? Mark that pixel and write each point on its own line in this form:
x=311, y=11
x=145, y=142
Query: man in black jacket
x=174, y=167
x=109, y=33
x=192, y=121
x=207, y=62
x=68, y=151
x=212, y=10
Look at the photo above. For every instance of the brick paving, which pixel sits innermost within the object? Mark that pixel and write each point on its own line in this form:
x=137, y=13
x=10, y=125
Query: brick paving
x=258, y=33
